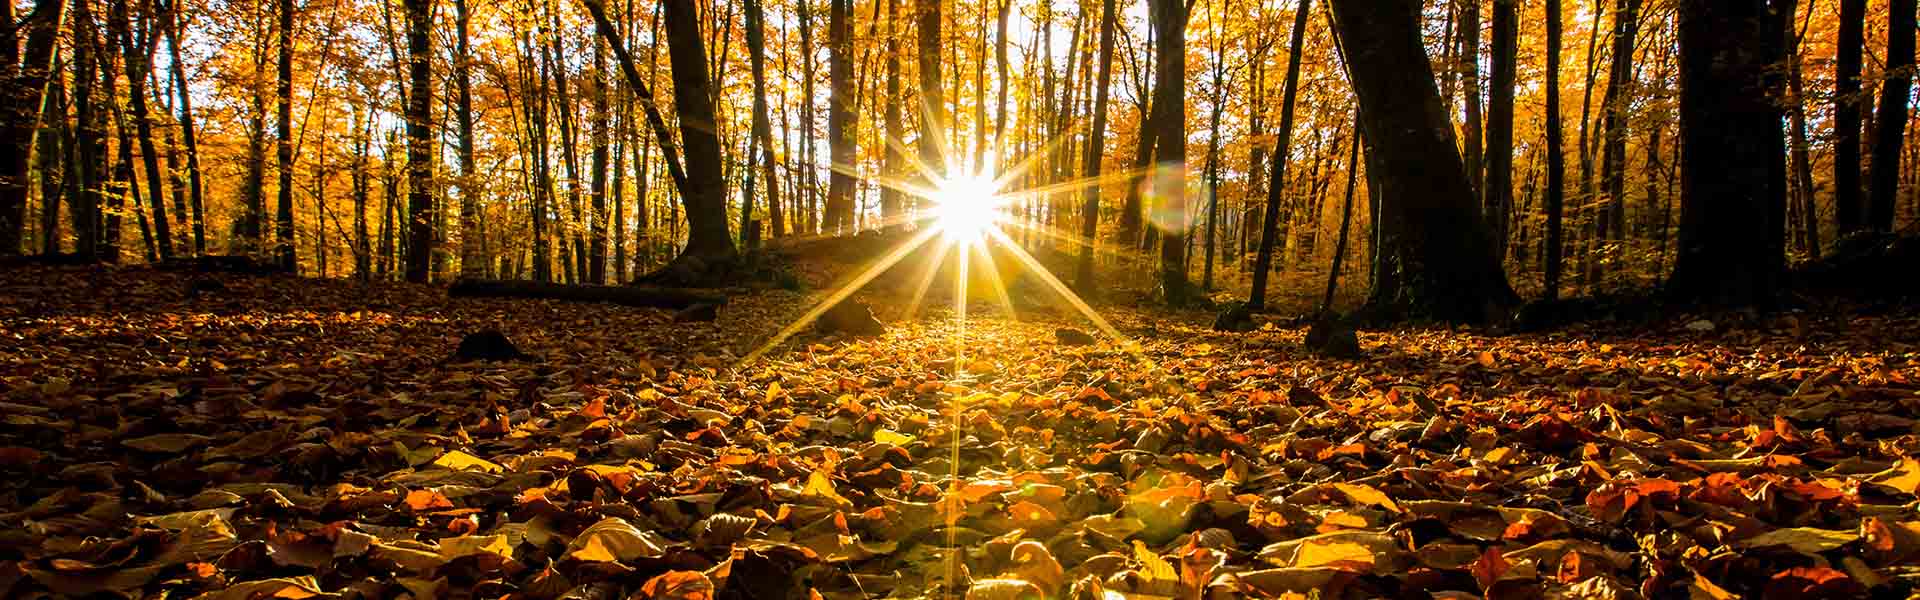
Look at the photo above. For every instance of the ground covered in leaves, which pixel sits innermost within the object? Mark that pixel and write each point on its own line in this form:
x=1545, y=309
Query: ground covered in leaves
x=298, y=439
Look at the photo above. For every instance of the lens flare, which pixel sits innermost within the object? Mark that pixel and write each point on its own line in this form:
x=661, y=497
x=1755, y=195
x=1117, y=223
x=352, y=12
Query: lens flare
x=965, y=207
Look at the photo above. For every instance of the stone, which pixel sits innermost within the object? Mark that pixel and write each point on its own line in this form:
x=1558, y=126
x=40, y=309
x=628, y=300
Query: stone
x=488, y=344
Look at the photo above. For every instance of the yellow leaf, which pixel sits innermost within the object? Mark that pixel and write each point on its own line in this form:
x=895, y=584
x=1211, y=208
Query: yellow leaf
x=1154, y=569
x=1904, y=476
x=456, y=547
x=1366, y=494
x=614, y=539
x=888, y=436
x=1806, y=540
x=821, y=486
x=460, y=461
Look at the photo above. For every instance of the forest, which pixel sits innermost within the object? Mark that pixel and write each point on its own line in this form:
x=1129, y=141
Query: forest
x=1002, y=299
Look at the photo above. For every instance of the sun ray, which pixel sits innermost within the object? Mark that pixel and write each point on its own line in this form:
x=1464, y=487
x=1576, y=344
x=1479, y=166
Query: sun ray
x=993, y=279
x=842, y=292
x=1066, y=293
x=938, y=256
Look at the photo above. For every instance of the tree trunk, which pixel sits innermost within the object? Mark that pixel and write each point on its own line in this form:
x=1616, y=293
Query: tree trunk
x=1346, y=206
x=1556, y=199
x=1611, y=219
x=23, y=87
x=1498, y=191
x=1849, y=208
x=933, y=101
x=1437, y=260
x=1470, y=87
x=420, y=141
x=472, y=263
x=1809, y=232
x=597, y=190
x=841, y=128
x=762, y=124
x=83, y=176
x=1732, y=235
x=1096, y=140
x=50, y=150
x=1213, y=146
x=1170, y=155
x=1282, y=150
x=892, y=208
x=283, y=140
x=1883, y=176
x=1584, y=211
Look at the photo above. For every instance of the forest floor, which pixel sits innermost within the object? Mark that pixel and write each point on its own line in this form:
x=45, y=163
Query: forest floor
x=298, y=438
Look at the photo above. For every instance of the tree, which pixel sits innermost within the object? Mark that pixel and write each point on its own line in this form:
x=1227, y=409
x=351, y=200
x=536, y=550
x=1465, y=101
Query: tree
x=1611, y=220
x=1849, y=210
x=23, y=84
x=1096, y=138
x=1436, y=258
x=1170, y=154
x=1283, y=150
x=472, y=264
x=762, y=125
x=1556, y=157
x=709, y=254
x=933, y=102
x=1732, y=232
x=1883, y=175
x=420, y=141
x=283, y=251
x=1498, y=191
x=188, y=137
x=841, y=128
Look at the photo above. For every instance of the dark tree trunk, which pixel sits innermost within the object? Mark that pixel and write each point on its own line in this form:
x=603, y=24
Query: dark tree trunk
x=83, y=174
x=1213, y=147
x=1282, y=150
x=763, y=125
x=933, y=101
x=51, y=150
x=1555, y=203
x=1437, y=260
x=23, y=86
x=472, y=263
x=1096, y=140
x=1732, y=232
x=1613, y=131
x=420, y=141
x=1170, y=91
x=842, y=133
x=892, y=209
x=1890, y=135
x=1849, y=209
x=1809, y=230
x=1346, y=206
x=283, y=140
x=1498, y=191
x=1470, y=88
x=188, y=137
x=597, y=190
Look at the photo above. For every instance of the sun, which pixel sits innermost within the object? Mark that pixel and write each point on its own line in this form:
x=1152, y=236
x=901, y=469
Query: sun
x=965, y=207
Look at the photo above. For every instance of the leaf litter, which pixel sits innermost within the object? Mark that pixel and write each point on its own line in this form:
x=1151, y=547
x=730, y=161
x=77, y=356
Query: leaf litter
x=314, y=441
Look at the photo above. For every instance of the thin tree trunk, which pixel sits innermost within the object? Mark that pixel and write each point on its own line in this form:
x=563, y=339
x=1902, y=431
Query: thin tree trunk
x=1883, y=175
x=1170, y=154
x=1498, y=188
x=284, y=252
x=842, y=135
x=23, y=89
x=1809, y=232
x=1556, y=158
x=1849, y=205
x=762, y=124
x=1346, y=206
x=1611, y=219
x=420, y=141
x=932, y=99
x=472, y=263
x=1470, y=87
x=1096, y=140
x=1283, y=148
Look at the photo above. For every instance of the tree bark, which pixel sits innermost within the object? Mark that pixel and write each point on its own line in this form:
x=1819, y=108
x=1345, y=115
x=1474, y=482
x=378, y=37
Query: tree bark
x=420, y=141
x=1470, y=88
x=472, y=263
x=1498, y=188
x=1282, y=151
x=1809, y=232
x=1883, y=183
x=23, y=83
x=1437, y=260
x=841, y=128
x=1611, y=221
x=1556, y=196
x=1170, y=154
x=1732, y=234
x=933, y=101
x=1849, y=206
x=762, y=124
x=1096, y=140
